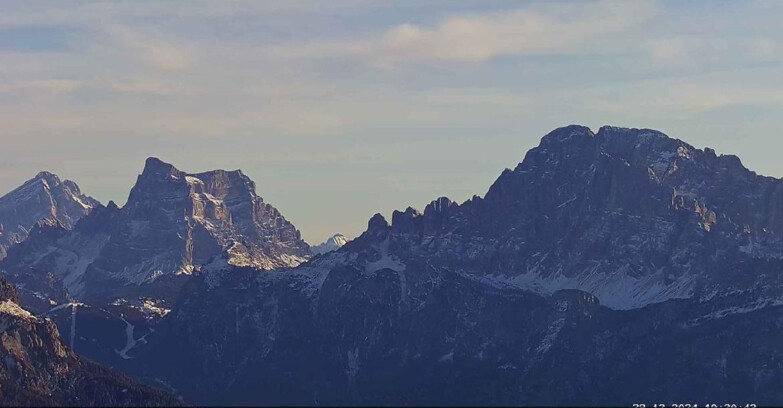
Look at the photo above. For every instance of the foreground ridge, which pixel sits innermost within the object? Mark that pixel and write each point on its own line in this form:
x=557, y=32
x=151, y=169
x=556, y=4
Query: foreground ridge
x=37, y=369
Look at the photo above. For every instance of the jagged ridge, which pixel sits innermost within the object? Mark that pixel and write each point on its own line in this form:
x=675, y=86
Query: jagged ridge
x=630, y=215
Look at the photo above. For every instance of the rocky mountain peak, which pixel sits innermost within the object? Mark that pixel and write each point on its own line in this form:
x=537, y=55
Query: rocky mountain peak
x=47, y=176
x=645, y=147
x=405, y=220
x=638, y=147
x=570, y=135
x=440, y=205
x=44, y=197
x=157, y=168
x=112, y=205
x=333, y=243
x=162, y=181
x=377, y=224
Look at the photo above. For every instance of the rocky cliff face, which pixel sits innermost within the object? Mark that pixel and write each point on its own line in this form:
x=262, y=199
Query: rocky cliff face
x=173, y=223
x=46, y=198
x=36, y=369
x=605, y=268
x=213, y=212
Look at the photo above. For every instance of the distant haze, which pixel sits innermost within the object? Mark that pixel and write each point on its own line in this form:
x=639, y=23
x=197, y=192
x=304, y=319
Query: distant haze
x=345, y=108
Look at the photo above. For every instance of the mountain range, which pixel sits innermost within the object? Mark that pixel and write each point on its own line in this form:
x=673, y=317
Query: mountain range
x=172, y=224
x=610, y=267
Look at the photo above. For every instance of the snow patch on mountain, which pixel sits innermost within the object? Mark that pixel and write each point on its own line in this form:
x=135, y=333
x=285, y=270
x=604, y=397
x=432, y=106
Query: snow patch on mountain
x=130, y=342
x=314, y=273
x=742, y=308
x=385, y=261
x=615, y=289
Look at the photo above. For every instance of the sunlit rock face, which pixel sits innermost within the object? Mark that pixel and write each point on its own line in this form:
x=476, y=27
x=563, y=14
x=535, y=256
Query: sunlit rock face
x=172, y=223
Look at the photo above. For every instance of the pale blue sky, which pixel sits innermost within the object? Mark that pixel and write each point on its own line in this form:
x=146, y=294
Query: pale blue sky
x=340, y=109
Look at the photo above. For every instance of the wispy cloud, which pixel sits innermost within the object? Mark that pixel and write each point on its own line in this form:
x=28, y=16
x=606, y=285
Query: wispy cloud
x=472, y=38
x=152, y=87
x=49, y=86
x=703, y=52
x=155, y=50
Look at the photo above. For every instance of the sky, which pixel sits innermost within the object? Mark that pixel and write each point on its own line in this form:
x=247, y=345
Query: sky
x=340, y=109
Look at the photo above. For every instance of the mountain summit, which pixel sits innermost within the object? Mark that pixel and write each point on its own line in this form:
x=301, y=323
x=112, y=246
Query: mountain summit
x=334, y=243
x=172, y=223
x=167, y=203
x=44, y=198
